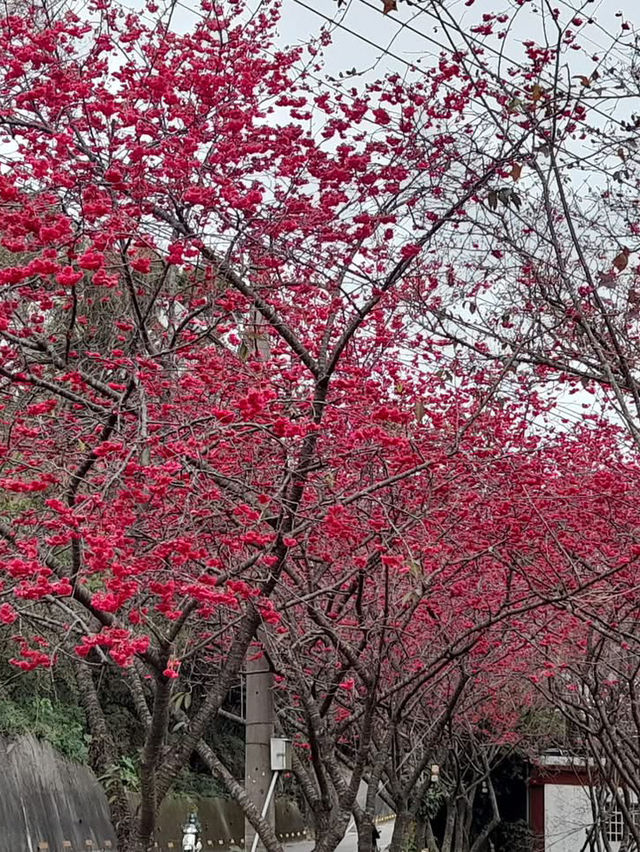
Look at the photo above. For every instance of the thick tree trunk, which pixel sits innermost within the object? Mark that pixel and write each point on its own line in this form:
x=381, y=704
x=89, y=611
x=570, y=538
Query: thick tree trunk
x=140, y=844
x=333, y=830
x=321, y=821
x=104, y=754
x=449, y=826
x=459, y=833
x=364, y=823
x=156, y=734
x=421, y=833
x=401, y=829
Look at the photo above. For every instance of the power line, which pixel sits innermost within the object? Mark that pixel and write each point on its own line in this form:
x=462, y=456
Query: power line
x=420, y=10
x=198, y=13
x=413, y=67
x=351, y=32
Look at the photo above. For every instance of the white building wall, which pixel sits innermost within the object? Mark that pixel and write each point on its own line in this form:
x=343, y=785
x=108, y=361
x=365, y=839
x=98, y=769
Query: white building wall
x=567, y=818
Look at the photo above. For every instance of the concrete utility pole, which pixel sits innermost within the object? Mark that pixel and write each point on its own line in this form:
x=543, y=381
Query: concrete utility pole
x=259, y=716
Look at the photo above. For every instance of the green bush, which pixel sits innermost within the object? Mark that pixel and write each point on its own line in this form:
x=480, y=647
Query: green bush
x=190, y=783
x=61, y=725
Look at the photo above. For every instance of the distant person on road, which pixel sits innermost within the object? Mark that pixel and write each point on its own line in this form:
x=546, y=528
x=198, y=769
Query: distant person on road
x=190, y=839
x=375, y=836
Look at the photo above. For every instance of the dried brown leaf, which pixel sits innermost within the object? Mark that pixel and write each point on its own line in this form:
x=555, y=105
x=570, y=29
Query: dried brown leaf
x=621, y=260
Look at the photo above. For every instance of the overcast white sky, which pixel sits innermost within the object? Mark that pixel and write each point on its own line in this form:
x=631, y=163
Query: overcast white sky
x=414, y=34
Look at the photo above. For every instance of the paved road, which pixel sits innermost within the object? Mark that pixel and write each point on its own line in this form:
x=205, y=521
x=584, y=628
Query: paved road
x=350, y=841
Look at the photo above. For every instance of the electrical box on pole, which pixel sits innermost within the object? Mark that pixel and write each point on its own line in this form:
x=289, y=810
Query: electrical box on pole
x=280, y=754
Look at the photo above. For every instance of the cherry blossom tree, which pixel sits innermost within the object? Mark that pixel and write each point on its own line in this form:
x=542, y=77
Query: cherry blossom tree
x=552, y=269
x=196, y=285
x=379, y=666
x=220, y=410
